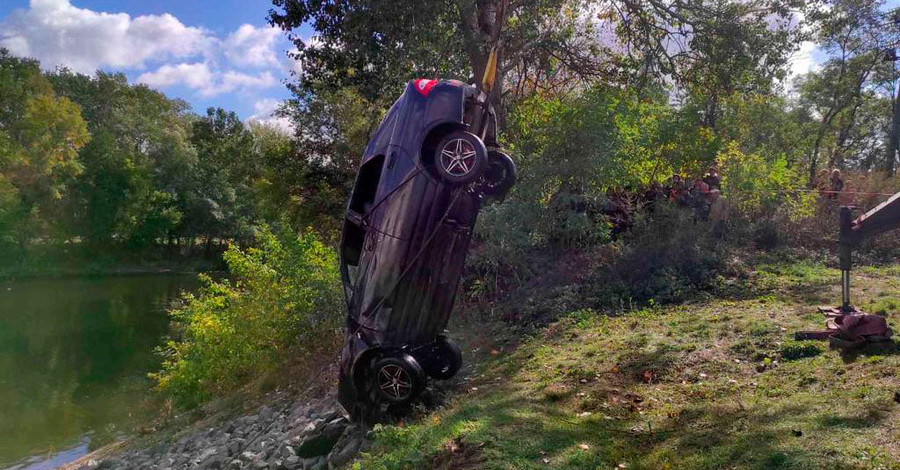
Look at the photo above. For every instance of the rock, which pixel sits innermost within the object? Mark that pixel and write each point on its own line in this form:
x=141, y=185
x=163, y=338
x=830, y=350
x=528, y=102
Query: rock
x=111, y=463
x=235, y=465
x=292, y=463
x=318, y=464
x=234, y=446
x=349, y=444
x=335, y=427
x=265, y=413
x=286, y=451
x=207, y=453
x=311, y=427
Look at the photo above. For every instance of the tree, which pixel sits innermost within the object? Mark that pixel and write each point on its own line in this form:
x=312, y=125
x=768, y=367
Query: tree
x=851, y=32
x=138, y=164
x=710, y=49
x=40, y=135
x=377, y=45
x=316, y=173
x=219, y=204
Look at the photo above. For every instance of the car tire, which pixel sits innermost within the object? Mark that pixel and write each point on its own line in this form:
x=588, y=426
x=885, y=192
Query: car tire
x=499, y=176
x=460, y=158
x=398, y=378
x=444, y=359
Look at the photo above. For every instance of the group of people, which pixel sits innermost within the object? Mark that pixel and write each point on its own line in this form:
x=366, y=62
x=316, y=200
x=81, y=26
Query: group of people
x=829, y=187
x=702, y=195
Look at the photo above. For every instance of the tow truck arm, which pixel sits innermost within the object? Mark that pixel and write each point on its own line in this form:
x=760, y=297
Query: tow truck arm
x=883, y=218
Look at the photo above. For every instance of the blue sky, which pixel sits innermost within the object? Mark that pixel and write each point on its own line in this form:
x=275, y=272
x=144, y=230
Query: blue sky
x=210, y=53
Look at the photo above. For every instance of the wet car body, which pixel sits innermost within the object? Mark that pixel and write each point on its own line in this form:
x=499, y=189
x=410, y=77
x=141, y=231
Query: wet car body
x=405, y=238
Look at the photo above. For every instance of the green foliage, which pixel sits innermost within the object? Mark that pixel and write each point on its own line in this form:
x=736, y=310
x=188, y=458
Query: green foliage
x=283, y=299
x=376, y=46
x=40, y=135
x=887, y=306
x=794, y=350
x=665, y=258
x=756, y=187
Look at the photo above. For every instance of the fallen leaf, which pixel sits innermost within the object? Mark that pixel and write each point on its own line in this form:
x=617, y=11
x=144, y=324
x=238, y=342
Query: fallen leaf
x=648, y=376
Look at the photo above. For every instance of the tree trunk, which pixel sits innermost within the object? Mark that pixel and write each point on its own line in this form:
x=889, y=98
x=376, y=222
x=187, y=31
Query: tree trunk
x=814, y=158
x=893, y=146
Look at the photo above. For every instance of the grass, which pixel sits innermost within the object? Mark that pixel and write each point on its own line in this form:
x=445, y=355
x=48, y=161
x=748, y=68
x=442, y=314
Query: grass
x=716, y=384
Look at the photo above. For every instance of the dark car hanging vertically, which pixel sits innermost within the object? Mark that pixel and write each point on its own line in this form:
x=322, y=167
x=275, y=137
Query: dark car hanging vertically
x=408, y=224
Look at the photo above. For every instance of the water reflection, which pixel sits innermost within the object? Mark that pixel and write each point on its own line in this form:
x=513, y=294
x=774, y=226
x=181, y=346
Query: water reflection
x=74, y=354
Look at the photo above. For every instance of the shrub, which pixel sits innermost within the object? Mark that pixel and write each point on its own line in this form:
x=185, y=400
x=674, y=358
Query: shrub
x=793, y=350
x=283, y=301
x=885, y=306
x=666, y=257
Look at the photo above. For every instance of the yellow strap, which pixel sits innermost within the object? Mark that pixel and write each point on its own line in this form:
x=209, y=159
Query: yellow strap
x=490, y=71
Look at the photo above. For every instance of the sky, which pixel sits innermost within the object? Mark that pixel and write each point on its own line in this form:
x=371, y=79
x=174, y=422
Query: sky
x=209, y=53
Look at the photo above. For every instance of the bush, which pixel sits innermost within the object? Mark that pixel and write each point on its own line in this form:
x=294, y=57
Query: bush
x=666, y=257
x=794, y=350
x=284, y=301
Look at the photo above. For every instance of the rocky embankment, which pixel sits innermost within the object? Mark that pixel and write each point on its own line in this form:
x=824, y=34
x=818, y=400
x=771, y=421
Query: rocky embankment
x=292, y=435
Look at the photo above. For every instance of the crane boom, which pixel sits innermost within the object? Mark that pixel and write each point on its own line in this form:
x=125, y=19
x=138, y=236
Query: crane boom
x=883, y=218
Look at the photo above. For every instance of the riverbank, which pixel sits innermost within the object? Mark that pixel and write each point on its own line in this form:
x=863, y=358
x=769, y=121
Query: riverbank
x=286, y=433
x=285, y=429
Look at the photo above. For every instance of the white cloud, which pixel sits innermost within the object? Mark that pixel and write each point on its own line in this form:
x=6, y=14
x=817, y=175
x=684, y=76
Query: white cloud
x=266, y=106
x=57, y=33
x=265, y=114
x=803, y=61
x=194, y=76
x=200, y=77
x=252, y=46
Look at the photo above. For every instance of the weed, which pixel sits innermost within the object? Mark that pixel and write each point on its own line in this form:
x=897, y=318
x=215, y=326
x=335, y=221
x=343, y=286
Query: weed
x=794, y=350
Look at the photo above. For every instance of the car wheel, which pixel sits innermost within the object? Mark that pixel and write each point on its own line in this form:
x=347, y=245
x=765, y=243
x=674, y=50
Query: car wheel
x=499, y=176
x=460, y=158
x=444, y=359
x=398, y=379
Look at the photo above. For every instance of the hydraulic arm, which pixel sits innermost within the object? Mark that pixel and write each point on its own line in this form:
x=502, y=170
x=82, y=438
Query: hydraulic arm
x=883, y=218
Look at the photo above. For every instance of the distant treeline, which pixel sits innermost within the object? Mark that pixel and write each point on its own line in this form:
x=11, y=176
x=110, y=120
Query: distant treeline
x=93, y=162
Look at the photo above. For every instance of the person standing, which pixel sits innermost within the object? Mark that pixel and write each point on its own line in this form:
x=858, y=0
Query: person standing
x=837, y=184
x=712, y=179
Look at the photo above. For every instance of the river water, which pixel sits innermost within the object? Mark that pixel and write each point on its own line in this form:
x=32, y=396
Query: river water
x=74, y=358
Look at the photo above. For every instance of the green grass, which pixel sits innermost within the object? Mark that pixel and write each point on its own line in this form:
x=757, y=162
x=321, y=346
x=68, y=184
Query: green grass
x=718, y=384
